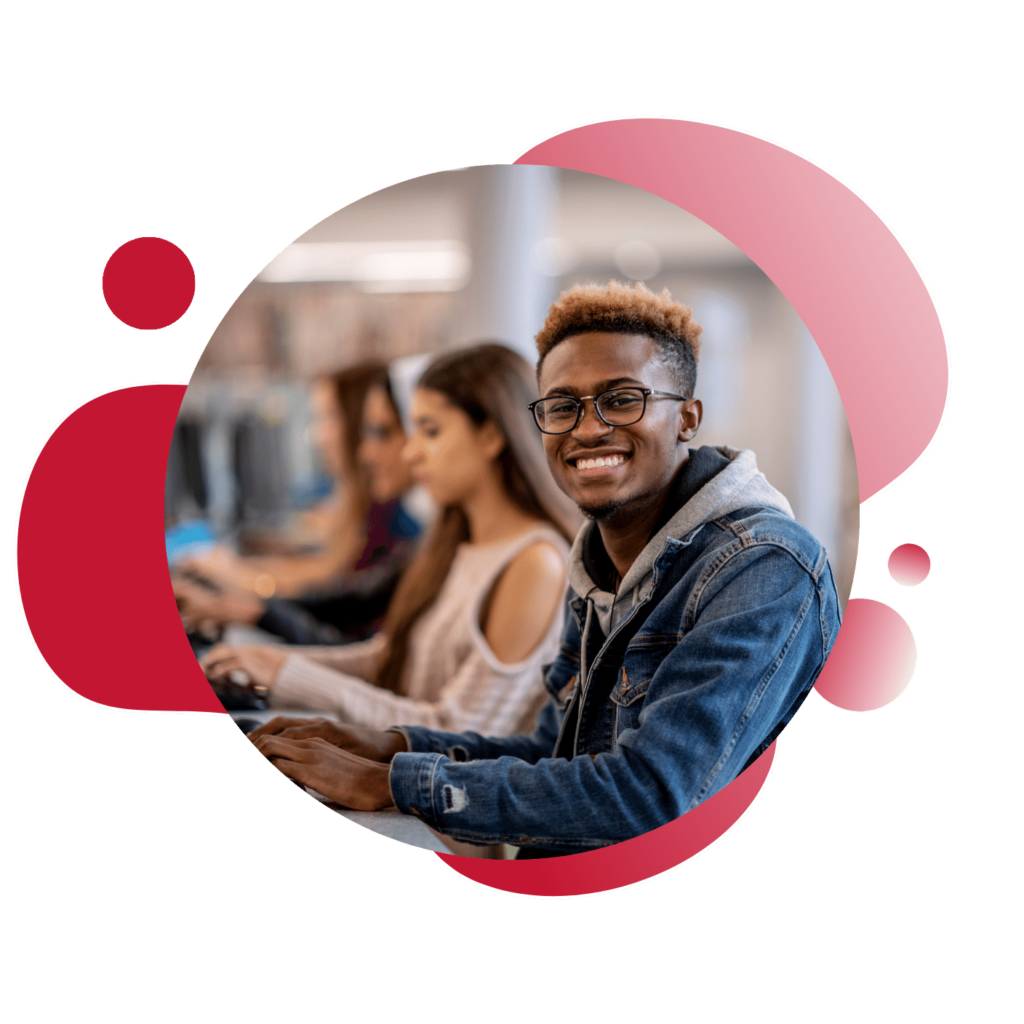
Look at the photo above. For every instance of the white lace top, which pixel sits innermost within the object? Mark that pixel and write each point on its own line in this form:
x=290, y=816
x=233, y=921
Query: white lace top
x=451, y=679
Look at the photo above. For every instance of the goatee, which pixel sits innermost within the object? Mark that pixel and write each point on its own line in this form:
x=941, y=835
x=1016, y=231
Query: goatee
x=597, y=513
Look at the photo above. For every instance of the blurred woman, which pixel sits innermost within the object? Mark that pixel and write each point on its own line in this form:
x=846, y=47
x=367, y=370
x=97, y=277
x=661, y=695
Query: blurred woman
x=337, y=403
x=349, y=604
x=479, y=610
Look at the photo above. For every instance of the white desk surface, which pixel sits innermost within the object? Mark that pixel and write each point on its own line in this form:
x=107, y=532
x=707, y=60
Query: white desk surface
x=391, y=823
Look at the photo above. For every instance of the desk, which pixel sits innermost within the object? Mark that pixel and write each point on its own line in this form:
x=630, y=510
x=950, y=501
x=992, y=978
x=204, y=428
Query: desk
x=395, y=825
x=391, y=823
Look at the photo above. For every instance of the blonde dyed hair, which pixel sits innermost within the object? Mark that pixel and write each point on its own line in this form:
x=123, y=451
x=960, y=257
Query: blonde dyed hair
x=618, y=308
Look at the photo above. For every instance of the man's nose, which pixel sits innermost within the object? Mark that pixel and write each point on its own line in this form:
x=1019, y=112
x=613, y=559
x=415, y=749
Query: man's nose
x=591, y=426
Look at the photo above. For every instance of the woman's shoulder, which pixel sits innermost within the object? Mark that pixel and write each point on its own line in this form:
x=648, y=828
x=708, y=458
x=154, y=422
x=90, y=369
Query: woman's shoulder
x=539, y=562
x=523, y=601
x=539, y=549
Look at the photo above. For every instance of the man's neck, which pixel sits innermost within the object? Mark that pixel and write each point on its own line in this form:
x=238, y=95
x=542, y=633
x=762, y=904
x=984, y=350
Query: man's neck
x=622, y=536
x=625, y=535
x=626, y=532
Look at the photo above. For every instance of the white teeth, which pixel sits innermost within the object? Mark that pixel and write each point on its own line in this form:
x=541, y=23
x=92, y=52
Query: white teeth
x=602, y=462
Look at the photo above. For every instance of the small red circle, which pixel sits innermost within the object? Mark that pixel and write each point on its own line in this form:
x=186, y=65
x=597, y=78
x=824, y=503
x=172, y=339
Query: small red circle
x=148, y=283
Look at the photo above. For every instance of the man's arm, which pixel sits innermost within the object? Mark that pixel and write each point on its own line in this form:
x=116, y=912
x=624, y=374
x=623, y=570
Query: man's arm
x=472, y=746
x=358, y=778
x=754, y=651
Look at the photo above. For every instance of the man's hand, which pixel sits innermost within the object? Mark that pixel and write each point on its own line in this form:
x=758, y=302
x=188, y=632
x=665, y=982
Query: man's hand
x=370, y=744
x=336, y=774
x=260, y=664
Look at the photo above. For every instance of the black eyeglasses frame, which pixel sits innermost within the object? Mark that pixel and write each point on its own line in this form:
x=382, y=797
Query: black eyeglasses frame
x=647, y=393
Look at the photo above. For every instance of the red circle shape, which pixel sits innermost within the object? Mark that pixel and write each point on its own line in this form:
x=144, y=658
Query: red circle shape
x=909, y=565
x=148, y=283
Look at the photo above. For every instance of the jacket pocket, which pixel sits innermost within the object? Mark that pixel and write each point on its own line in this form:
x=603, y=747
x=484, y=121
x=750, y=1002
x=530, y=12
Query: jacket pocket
x=631, y=686
x=641, y=661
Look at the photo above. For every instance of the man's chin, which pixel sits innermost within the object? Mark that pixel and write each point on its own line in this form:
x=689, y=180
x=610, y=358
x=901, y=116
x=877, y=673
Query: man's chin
x=598, y=513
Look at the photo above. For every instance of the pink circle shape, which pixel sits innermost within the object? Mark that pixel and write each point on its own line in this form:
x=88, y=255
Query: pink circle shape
x=148, y=283
x=872, y=660
x=909, y=565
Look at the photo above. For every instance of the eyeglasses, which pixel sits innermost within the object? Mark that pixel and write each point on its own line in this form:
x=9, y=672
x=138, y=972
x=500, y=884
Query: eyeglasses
x=617, y=408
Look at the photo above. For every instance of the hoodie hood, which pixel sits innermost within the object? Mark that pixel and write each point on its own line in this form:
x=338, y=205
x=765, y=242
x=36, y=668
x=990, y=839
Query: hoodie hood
x=740, y=484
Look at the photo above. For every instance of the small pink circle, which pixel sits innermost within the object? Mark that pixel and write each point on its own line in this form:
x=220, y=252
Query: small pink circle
x=909, y=565
x=872, y=660
x=148, y=283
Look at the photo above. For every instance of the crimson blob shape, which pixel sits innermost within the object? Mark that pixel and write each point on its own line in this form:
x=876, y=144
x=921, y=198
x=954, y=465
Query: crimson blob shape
x=909, y=565
x=633, y=862
x=148, y=283
x=872, y=660
x=92, y=563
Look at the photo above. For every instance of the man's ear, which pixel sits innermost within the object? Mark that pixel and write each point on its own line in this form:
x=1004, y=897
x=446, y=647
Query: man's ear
x=491, y=439
x=690, y=416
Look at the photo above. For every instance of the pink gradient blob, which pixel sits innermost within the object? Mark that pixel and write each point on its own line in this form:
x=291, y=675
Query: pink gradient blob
x=909, y=565
x=824, y=248
x=872, y=660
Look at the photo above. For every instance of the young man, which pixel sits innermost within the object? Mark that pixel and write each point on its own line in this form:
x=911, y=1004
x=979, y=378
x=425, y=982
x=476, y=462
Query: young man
x=699, y=614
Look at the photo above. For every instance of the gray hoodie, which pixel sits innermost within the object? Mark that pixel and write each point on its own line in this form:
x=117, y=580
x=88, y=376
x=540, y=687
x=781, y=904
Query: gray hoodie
x=739, y=485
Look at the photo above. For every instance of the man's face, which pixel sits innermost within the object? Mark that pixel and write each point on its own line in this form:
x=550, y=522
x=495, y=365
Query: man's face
x=645, y=455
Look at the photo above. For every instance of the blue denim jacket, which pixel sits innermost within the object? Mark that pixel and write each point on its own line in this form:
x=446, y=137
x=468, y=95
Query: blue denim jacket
x=722, y=643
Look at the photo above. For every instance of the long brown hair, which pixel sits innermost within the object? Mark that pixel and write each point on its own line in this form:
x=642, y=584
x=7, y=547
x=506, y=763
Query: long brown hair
x=487, y=382
x=348, y=535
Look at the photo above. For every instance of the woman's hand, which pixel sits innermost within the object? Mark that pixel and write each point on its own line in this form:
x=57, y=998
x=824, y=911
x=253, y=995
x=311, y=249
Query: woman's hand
x=336, y=774
x=199, y=605
x=221, y=566
x=260, y=664
x=370, y=744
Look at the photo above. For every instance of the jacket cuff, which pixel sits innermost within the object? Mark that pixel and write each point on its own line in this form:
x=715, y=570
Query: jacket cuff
x=412, y=784
x=422, y=740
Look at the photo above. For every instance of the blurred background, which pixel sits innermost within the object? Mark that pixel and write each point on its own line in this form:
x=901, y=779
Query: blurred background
x=478, y=254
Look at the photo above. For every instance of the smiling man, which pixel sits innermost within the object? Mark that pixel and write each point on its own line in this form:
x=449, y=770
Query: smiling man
x=699, y=614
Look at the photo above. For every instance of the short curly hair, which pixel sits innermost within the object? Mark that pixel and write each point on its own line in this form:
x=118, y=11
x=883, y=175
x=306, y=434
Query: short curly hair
x=618, y=308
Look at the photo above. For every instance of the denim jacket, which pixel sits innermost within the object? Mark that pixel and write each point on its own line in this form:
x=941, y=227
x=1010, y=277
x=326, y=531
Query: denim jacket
x=661, y=694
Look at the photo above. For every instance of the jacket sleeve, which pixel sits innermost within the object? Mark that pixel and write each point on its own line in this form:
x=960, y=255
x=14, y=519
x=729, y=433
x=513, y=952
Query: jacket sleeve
x=753, y=651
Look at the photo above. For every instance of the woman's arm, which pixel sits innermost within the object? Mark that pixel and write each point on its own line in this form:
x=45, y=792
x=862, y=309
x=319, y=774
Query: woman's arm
x=358, y=659
x=491, y=688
